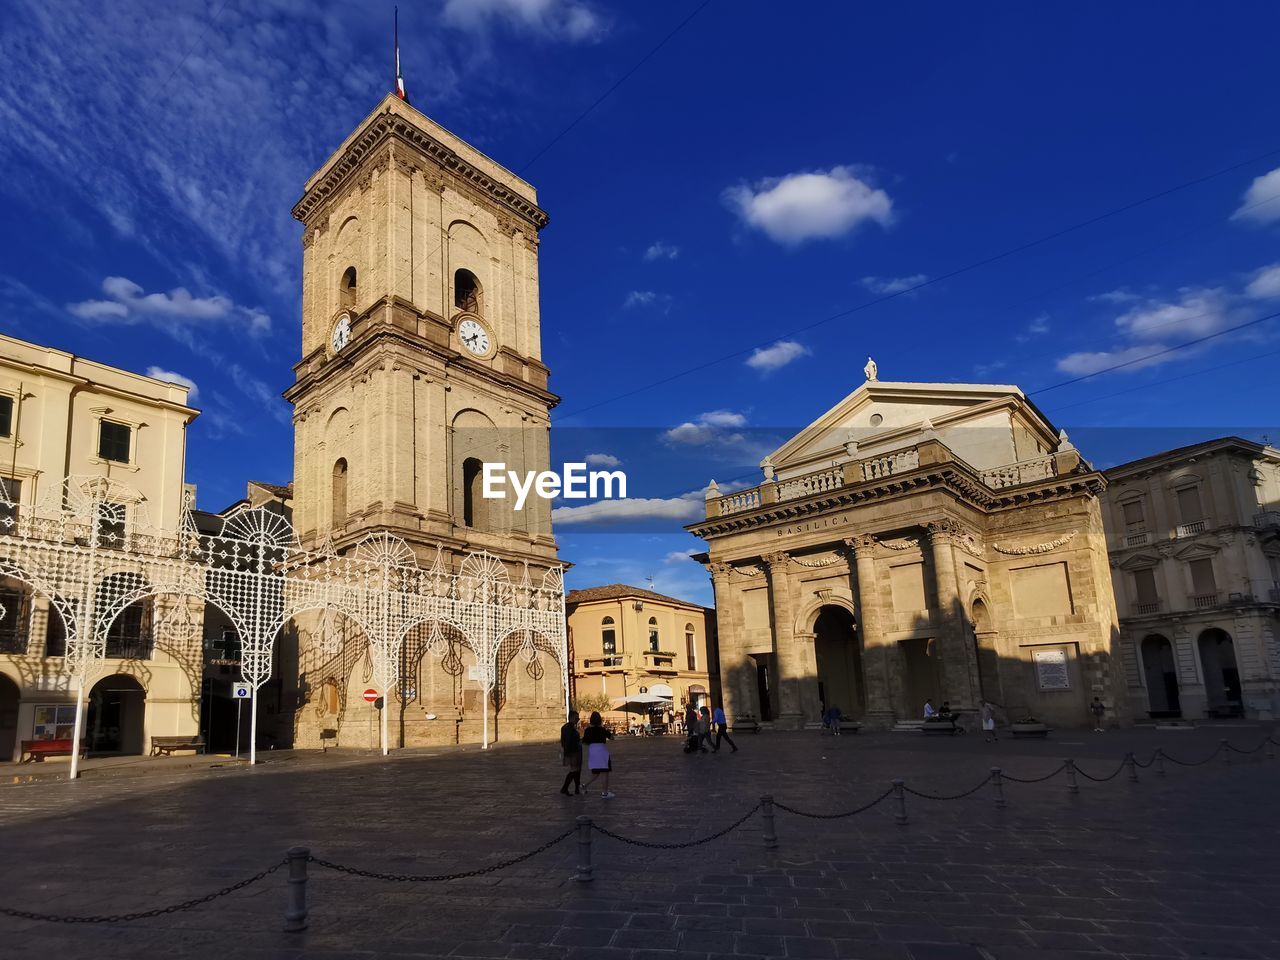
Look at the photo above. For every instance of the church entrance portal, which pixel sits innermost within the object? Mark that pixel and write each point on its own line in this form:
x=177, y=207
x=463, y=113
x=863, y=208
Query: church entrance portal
x=1162, y=677
x=839, y=658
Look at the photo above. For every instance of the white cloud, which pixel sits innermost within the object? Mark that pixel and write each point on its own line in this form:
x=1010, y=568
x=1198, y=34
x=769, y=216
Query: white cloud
x=1036, y=328
x=1154, y=326
x=807, y=206
x=685, y=509
x=660, y=250
x=262, y=395
x=891, y=285
x=714, y=426
x=679, y=556
x=768, y=359
x=1115, y=296
x=177, y=312
x=159, y=373
x=1261, y=202
x=601, y=460
x=639, y=298
x=561, y=19
x=1265, y=284
x=986, y=369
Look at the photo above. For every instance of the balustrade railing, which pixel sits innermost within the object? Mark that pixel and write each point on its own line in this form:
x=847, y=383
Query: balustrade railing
x=1137, y=539
x=1015, y=474
x=1145, y=609
x=738, y=502
x=1204, y=601
x=877, y=468
x=820, y=482
x=1191, y=529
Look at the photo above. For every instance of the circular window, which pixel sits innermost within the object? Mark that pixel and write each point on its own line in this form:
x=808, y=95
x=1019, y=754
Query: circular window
x=876, y=419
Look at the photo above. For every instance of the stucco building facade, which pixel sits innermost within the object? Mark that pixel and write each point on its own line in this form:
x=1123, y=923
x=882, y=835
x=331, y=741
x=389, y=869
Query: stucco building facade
x=626, y=640
x=68, y=420
x=917, y=541
x=1195, y=544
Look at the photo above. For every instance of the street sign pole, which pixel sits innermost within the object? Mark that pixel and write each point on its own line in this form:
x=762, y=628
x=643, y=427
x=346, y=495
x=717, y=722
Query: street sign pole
x=239, y=711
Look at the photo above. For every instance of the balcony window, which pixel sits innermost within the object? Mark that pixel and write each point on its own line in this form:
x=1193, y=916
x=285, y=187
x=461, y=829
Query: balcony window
x=15, y=599
x=1204, y=588
x=6, y=415
x=1189, y=508
x=608, y=638
x=690, y=647
x=55, y=634
x=654, y=640
x=10, y=496
x=111, y=525
x=1146, y=599
x=1135, y=520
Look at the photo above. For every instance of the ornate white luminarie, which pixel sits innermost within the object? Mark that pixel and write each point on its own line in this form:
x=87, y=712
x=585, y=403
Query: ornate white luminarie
x=92, y=551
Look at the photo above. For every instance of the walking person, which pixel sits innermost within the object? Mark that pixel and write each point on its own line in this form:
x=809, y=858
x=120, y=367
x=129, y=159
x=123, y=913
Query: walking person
x=704, y=728
x=692, y=742
x=1098, y=711
x=595, y=739
x=571, y=754
x=722, y=730
x=834, y=716
x=988, y=721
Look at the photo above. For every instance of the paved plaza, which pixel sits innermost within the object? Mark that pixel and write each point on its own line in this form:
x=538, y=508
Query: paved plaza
x=1179, y=866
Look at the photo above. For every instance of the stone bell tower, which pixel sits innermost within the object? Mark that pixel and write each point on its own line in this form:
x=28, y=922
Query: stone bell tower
x=421, y=343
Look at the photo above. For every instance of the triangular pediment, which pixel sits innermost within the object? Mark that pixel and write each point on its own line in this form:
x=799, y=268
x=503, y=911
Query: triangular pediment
x=1194, y=550
x=1138, y=561
x=977, y=421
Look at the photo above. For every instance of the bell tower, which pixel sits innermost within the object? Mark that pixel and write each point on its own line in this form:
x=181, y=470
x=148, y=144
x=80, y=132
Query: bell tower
x=421, y=343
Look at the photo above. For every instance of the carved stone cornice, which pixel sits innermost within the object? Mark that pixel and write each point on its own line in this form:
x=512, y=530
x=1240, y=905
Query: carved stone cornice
x=903, y=543
x=387, y=128
x=864, y=544
x=777, y=562
x=815, y=562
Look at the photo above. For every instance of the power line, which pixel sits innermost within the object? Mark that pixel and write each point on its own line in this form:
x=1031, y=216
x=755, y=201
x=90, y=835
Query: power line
x=974, y=265
x=619, y=82
x=1158, y=353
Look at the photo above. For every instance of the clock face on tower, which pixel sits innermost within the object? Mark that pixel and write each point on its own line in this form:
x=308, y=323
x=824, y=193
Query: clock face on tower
x=341, y=333
x=474, y=337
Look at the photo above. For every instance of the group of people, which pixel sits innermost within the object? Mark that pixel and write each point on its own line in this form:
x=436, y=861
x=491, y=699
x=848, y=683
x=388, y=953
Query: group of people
x=592, y=746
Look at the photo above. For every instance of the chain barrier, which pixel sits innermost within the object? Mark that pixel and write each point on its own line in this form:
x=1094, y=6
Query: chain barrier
x=144, y=914
x=654, y=845
x=1155, y=753
x=1048, y=776
x=953, y=796
x=438, y=878
x=1123, y=763
x=835, y=816
x=1192, y=763
x=1233, y=747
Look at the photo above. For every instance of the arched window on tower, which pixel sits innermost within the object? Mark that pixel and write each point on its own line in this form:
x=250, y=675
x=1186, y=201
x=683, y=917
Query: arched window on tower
x=690, y=647
x=467, y=294
x=472, y=493
x=655, y=641
x=347, y=289
x=339, y=498
x=609, y=642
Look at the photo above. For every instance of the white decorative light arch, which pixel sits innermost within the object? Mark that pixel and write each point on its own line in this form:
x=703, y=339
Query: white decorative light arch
x=91, y=548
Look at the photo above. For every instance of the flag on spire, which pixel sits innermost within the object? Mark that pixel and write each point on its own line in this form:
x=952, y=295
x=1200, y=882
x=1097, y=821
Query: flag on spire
x=399, y=77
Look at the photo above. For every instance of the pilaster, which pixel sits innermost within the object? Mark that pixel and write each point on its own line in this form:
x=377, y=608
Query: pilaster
x=882, y=685
x=788, y=656
x=959, y=659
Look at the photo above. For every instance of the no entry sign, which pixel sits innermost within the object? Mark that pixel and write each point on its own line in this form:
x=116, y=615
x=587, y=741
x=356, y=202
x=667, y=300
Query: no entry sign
x=370, y=695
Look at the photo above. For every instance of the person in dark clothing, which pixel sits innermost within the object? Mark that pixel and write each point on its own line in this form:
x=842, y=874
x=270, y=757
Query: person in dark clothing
x=571, y=753
x=722, y=730
x=595, y=739
x=704, y=728
x=692, y=742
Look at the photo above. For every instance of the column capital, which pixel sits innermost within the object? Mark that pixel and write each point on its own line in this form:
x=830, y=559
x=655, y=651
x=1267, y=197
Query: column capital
x=777, y=562
x=944, y=531
x=719, y=570
x=860, y=546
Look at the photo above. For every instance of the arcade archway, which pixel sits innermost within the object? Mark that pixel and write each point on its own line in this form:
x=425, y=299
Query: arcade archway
x=838, y=654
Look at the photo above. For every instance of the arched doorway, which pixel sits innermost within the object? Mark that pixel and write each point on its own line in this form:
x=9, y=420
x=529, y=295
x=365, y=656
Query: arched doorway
x=839, y=660
x=1221, y=675
x=117, y=707
x=984, y=644
x=1162, y=677
x=10, y=694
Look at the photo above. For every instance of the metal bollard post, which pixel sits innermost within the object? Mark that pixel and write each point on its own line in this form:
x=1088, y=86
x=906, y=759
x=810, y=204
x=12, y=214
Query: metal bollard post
x=585, y=871
x=295, y=911
x=997, y=782
x=1133, y=766
x=770, y=835
x=900, y=803
x=1159, y=762
x=1072, y=786
x=1225, y=747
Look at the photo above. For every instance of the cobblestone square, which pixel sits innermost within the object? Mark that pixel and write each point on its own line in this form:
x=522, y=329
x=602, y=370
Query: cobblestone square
x=1180, y=865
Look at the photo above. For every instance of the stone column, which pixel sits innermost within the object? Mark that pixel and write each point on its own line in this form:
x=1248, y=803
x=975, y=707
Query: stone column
x=878, y=662
x=737, y=670
x=790, y=667
x=959, y=659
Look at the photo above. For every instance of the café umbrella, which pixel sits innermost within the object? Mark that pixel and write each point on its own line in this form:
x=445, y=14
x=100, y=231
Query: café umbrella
x=640, y=702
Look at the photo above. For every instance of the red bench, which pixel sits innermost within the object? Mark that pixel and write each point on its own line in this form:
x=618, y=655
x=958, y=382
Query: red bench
x=33, y=750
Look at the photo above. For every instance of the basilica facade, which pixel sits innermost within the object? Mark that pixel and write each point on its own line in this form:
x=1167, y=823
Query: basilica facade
x=918, y=542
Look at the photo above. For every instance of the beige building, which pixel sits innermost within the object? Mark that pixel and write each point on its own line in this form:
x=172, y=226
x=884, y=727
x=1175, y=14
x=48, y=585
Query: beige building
x=1195, y=556
x=421, y=361
x=917, y=541
x=64, y=416
x=625, y=640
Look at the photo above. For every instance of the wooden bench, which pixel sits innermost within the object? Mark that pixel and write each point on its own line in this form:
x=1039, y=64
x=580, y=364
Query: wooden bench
x=849, y=726
x=166, y=745
x=945, y=725
x=36, y=750
x=745, y=724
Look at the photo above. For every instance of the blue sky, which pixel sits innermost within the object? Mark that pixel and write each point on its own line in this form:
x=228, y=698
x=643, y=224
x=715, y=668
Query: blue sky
x=757, y=174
